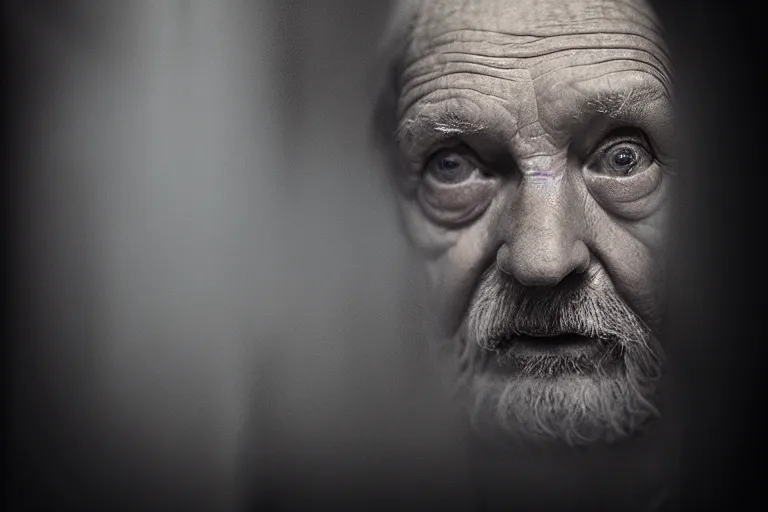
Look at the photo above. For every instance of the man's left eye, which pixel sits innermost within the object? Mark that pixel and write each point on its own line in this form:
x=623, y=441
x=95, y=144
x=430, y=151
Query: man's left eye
x=623, y=159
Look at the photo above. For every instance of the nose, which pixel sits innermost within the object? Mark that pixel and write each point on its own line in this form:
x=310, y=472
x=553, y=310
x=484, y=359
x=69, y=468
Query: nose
x=542, y=233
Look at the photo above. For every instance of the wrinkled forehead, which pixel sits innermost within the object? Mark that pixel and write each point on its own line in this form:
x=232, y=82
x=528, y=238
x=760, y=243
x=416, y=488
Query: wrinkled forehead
x=505, y=47
x=536, y=29
x=532, y=16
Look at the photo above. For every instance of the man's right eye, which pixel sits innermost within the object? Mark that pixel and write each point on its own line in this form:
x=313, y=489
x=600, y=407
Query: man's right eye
x=449, y=167
x=454, y=189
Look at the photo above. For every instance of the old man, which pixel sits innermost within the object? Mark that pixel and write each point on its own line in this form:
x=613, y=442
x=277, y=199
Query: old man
x=530, y=147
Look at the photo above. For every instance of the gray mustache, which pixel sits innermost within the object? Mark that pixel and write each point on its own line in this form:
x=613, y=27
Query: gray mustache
x=503, y=310
x=630, y=362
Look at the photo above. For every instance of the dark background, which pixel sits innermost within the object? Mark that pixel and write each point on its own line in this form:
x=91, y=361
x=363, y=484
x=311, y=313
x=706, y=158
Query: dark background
x=718, y=298
x=210, y=302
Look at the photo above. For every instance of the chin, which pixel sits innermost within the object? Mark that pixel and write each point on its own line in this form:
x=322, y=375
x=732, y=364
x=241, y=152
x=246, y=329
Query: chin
x=569, y=409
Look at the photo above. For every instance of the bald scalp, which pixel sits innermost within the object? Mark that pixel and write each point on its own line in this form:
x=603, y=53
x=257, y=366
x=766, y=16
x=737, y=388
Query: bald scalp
x=527, y=15
x=523, y=14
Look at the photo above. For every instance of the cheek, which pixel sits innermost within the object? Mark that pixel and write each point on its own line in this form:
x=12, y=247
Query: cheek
x=634, y=255
x=454, y=261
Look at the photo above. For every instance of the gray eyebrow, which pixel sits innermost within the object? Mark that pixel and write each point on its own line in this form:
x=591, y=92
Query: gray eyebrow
x=445, y=124
x=617, y=104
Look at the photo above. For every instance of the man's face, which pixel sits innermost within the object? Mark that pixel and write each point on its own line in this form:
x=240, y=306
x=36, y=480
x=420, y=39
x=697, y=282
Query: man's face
x=533, y=139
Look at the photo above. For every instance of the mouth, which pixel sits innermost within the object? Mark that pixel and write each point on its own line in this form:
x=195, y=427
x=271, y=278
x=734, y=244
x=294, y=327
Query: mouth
x=566, y=345
x=563, y=347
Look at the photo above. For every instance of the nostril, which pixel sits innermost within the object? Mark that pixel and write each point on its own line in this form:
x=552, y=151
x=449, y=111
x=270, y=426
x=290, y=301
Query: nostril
x=572, y=281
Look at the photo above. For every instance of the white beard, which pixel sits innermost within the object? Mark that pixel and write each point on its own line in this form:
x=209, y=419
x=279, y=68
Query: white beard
x=556, y=398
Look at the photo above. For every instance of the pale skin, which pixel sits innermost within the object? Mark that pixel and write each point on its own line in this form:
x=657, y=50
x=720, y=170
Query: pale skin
x=533, y=95
x=535, y=136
